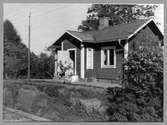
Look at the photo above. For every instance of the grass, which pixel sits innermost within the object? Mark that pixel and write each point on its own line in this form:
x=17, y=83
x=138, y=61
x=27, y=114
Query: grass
x=57, y=101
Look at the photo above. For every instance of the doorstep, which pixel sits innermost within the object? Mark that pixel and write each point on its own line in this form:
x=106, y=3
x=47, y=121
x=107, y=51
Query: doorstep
x=99, y=84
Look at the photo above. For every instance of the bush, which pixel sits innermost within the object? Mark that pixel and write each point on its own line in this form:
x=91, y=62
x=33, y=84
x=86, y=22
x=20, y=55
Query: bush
x=141, y=98
x=143, y=68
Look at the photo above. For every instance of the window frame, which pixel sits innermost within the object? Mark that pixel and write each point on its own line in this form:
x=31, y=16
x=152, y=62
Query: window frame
x=108, y=54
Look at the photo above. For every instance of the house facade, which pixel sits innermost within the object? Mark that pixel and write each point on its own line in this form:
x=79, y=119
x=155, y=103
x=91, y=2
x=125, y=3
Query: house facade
x=98, y=55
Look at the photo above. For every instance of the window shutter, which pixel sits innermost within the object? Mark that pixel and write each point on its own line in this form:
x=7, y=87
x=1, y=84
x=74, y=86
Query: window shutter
x=89, y=58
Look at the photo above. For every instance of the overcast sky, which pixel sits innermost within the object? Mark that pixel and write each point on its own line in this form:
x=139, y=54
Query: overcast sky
x=50, y=21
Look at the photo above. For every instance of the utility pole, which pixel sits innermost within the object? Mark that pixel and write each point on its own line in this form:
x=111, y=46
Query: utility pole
x=29, y=39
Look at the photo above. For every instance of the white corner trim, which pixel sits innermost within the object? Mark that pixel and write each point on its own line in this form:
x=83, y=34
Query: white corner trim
x=62, y=46
x=140, y=28
x=74, y=36
x=82, y=62
x=126, y=49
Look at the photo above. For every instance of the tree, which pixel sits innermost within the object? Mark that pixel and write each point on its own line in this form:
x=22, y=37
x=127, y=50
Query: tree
x=14, y=52
x=117, y=13
x=45, y=66
x=141, y=99
x=16, y=57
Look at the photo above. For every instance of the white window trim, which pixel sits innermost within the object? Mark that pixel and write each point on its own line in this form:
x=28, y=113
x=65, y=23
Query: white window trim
x=92, y=59
x=108, y=66
x=75, y=72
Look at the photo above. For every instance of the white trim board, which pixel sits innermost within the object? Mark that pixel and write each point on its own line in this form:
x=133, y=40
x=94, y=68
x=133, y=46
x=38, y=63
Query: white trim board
x=82, y=62
x=62, y=45
x=126, y=50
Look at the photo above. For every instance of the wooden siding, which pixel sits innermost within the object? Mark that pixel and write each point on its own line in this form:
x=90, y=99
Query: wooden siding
x=67, y=44
x=105, y=73
x=146, y=37
x=108, y=73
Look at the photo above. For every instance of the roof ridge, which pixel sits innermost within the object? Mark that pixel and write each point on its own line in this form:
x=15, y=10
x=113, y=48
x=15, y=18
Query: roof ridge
x=71, y=31
x=145, y=20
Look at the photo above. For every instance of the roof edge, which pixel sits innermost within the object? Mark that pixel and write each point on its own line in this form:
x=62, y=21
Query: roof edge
x=62, y=35
x=73, y=35
x=141, y=27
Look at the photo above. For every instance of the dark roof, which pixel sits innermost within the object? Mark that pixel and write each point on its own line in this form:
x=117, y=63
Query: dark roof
x=122, y=31
x=85, y=36
x=111, y=33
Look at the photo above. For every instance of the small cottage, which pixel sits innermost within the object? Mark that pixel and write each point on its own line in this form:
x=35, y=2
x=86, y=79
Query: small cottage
x=98, y=55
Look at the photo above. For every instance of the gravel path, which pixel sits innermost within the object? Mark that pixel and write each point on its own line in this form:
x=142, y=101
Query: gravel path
x=10, y=116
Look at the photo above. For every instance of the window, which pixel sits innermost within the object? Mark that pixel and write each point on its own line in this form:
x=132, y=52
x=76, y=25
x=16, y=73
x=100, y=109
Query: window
x=108, y=58
x=89, y=58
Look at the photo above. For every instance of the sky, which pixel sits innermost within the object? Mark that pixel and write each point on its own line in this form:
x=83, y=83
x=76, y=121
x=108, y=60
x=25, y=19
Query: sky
x=50, y=21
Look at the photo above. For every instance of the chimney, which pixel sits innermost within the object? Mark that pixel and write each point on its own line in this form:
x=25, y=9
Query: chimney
x=103, y=22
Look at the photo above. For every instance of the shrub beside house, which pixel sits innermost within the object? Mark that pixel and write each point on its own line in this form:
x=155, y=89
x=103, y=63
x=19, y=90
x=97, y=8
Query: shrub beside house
x=141, y=99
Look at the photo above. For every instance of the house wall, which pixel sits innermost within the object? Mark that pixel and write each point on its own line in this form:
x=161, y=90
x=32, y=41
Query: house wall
x=105, y=73
x=68, y=44
x=146, y=37
x=108, y=73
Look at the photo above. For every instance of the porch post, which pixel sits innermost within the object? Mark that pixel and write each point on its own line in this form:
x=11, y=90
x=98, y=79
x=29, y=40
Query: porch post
x=82, y=63
x=126, y=49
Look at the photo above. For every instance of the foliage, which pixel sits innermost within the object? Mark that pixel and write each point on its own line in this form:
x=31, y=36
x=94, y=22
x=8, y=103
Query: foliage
x=141, y=99
x=92, y=114
x=144, y=67
x=58, y=102
x=45, y=66
x=14, y=51
x=117, y=13
x=65, y=70
x=16, y=57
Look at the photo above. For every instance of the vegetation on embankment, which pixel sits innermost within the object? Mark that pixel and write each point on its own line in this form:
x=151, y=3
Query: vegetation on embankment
x=59, y=102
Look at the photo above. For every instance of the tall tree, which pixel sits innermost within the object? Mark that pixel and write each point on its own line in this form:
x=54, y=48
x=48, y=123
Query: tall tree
x=117, y=13
x=16, y=57
x=14, y=51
